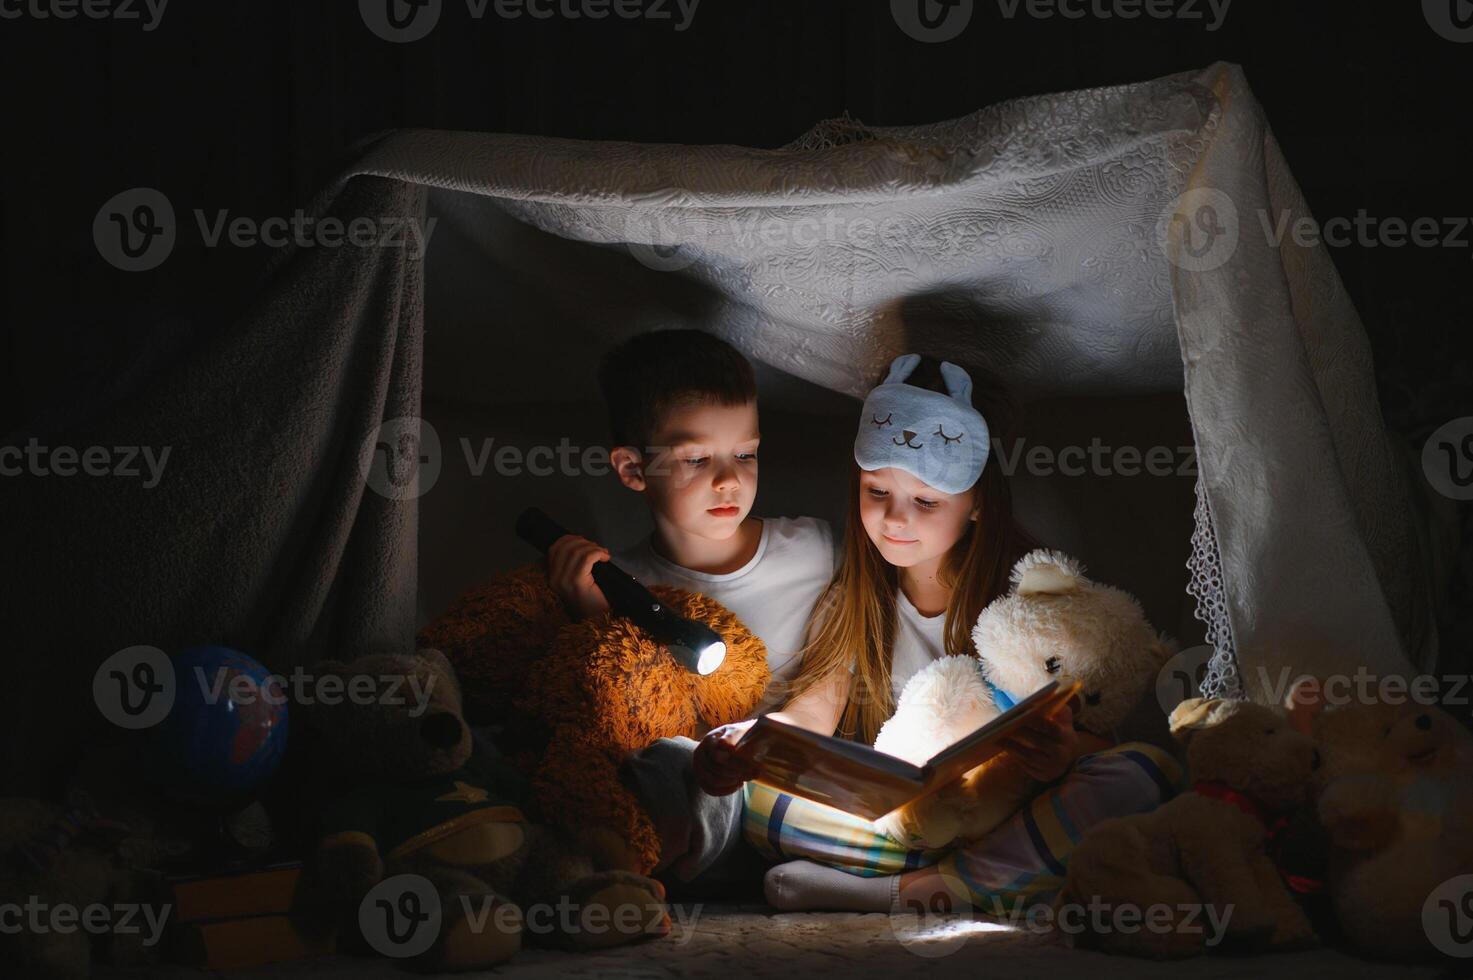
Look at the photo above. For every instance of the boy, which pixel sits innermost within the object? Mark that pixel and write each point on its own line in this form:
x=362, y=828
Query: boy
x=683, y=413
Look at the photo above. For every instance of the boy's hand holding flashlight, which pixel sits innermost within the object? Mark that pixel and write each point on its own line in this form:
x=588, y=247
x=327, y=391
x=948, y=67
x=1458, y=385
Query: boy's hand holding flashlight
x=570, y=562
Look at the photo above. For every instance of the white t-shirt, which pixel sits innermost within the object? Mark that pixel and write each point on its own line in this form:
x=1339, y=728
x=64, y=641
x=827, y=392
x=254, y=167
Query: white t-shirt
x=773, y=594
x=918, y=641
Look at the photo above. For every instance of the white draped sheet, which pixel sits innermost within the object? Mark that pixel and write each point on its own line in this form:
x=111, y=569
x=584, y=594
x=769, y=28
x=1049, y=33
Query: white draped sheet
x=1032, y=236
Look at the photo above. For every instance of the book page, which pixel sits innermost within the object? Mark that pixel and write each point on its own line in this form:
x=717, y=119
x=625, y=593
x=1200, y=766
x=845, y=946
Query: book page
x=968, y=753
x=867, y=783
x=828, y=770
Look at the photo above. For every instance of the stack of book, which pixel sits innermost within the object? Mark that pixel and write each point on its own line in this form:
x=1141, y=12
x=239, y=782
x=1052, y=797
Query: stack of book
x=235, y=919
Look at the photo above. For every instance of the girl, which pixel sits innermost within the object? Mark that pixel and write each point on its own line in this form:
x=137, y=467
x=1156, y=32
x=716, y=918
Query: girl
x=930, y=541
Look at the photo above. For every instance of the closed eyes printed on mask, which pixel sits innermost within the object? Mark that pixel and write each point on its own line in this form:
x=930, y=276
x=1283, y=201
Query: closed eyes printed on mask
x=938, y=438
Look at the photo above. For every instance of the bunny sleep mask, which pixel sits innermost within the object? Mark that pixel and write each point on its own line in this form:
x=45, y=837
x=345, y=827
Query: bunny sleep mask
x=940, y=439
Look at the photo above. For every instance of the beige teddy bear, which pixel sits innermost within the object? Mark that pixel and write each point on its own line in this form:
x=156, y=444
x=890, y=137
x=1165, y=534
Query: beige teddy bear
x=1059, y=625
x=1395, y=795
x=1054, y=625
x=1195, y=872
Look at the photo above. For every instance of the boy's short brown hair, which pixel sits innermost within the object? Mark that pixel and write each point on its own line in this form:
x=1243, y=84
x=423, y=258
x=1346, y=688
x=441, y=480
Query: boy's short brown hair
x=648, y=375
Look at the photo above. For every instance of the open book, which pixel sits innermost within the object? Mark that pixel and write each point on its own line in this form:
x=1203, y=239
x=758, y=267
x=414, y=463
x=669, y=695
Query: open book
x=859, y=780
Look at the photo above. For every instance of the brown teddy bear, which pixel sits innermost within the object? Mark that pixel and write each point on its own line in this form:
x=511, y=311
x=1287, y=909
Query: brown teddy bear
x=493, y=633
x=1054, y=625
x=579, y=698
x=1198, y=864
x=1395, y=796
x=408, y=825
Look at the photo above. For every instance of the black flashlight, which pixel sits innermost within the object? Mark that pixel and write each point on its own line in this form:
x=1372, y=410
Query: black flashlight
x=696, y=646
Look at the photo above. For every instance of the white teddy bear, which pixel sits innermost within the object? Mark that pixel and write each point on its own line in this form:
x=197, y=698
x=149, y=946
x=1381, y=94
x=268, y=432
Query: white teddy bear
x=1055, y=624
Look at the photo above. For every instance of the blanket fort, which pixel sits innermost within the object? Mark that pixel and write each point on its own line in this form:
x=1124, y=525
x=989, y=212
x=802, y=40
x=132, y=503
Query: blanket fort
x=1105, y=241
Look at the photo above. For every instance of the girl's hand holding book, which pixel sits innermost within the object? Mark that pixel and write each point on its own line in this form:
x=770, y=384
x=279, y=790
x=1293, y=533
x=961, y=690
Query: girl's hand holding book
x=1047, y=747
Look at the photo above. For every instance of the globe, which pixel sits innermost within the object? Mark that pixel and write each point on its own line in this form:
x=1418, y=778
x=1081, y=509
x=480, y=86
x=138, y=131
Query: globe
x=225, y=733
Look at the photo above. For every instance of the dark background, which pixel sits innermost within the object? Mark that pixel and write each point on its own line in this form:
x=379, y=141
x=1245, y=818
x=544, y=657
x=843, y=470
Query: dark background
x=253, y=106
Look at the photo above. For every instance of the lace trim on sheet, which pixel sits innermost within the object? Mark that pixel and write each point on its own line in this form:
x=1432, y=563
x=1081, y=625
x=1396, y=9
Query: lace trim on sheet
x=1206, y=585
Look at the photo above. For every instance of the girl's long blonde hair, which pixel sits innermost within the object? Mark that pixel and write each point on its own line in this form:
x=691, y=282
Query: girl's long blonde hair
x=856, y=616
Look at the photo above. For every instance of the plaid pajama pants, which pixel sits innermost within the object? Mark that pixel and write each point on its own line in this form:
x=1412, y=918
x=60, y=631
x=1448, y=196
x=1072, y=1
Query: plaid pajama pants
x=1020, y=863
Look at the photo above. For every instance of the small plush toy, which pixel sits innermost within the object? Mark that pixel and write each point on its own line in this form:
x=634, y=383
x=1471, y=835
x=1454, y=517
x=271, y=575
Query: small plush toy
x=579, y=698
x=58, y=858
x=1199, y=862
x=1055, y=624
x=1395, y=796
x=396, y=793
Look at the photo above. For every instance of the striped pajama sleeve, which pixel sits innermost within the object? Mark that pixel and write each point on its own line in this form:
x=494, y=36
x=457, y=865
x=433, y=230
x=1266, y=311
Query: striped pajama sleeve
x=1022, y=861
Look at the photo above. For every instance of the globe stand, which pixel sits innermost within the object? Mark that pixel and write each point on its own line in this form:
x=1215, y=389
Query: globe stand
x=235, y=839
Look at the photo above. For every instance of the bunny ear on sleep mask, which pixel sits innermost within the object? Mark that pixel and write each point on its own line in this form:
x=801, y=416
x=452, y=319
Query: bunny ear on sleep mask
x=940, y=439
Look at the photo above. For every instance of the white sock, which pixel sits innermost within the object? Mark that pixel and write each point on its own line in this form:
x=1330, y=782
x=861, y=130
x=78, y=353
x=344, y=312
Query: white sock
x=799, y=886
